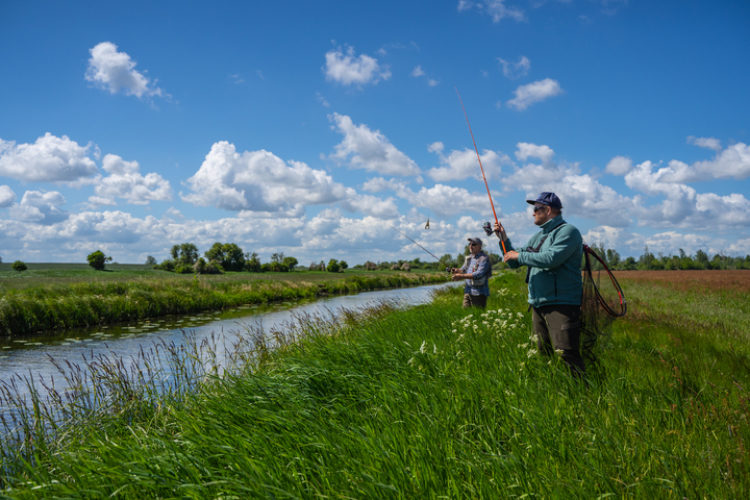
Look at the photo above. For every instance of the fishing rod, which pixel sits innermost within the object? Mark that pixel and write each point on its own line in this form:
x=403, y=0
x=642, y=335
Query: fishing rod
x=502, y=243
x=413, y=241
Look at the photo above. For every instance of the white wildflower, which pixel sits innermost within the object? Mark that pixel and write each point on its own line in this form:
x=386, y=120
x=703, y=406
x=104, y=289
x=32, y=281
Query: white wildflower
x=423, y=347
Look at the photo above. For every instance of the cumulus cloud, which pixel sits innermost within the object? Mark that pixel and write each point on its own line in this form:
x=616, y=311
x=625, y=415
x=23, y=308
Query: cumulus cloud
x=49, y=159
x=514, y=70
x=534, y=92
x=7, y=196
x=705, y=142
x=259, y=181
x=606, y=236
x=732, y=162
x=497, y=9
x=619, y=165
x=369, y=149
x=463, y=164
x=115, y=71
x=126, y=182
x=380, y=184
x=449, y=200
x=40, y=207
x=526, y=150
x=348, y=69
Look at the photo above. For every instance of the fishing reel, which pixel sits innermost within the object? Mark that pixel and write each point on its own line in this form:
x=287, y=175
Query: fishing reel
x=488, y=228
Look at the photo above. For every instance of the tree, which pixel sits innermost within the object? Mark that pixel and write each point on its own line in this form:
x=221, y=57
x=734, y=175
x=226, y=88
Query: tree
x=19, y=266
x=150, y=261
x=289, y=263
x=228, y=255
x=97, y=260
x=333, y=266
x=185, y=253
x=252, y=263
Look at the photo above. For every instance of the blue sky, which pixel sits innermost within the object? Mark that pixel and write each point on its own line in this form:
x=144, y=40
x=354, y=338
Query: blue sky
x=327, y=129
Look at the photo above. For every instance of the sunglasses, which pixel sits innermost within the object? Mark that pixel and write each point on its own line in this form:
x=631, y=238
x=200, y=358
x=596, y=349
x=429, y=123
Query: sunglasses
x=537, y=208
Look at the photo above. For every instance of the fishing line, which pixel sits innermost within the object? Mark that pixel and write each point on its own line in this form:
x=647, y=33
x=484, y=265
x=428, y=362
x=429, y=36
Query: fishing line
x=413, y=241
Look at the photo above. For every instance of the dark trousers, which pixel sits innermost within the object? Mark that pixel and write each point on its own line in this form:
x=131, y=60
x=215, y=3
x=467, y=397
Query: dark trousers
x=475, y=300
x=558, y=328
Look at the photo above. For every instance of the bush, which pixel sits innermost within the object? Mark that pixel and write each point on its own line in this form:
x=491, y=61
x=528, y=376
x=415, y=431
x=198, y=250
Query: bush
x=19, y=266
x=98, y=259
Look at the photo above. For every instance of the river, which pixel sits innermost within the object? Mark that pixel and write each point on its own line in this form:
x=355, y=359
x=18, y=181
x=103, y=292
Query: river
x=39, y=359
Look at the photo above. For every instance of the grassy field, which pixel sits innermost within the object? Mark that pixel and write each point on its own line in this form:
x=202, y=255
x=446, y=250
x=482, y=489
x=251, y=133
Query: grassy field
x=55, y=297
x=438, y=402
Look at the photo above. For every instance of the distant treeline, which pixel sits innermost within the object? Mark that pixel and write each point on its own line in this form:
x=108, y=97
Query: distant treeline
x=648, y=261
x=222, y=257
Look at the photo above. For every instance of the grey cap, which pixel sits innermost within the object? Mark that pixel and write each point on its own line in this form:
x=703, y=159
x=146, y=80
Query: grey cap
x=475, y=240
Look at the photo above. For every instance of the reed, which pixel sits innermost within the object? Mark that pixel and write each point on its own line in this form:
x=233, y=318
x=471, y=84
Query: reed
x=26, y=310
x=433, y=401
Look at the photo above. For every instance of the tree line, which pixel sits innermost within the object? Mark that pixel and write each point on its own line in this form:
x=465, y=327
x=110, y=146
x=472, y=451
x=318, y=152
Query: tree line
x=682, y=261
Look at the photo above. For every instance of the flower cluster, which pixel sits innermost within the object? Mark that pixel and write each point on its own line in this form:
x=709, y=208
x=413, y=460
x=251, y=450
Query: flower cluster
x=495, y=321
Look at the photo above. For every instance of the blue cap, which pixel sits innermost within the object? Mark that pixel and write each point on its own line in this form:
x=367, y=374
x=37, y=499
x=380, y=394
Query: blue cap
x=549, y=199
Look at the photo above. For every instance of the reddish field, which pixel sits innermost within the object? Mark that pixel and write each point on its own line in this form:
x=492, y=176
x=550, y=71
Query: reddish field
x=691, y=280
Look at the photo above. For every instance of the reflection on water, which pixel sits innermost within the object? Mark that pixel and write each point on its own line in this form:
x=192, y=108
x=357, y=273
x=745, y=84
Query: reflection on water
x=38, y=356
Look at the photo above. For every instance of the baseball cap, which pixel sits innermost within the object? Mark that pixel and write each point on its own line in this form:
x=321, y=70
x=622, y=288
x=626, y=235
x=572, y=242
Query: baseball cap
x=476, y=241
x=547, y=198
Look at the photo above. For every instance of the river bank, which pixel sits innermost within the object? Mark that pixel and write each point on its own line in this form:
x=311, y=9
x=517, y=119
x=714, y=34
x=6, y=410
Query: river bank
x=433, y=401
x=53, y=305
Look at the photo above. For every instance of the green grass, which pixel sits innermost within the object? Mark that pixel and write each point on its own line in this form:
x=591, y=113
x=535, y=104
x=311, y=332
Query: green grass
x=435, y=402
x=58, y=297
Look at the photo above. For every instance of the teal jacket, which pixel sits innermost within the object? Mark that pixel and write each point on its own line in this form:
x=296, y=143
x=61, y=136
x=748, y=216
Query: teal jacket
x=554, y=266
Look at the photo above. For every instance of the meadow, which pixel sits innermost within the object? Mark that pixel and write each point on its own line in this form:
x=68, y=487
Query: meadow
x=434, y=401
x=56, y=297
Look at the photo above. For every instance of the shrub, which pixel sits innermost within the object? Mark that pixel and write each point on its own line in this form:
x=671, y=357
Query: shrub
x=98, y=259
x=19, y=266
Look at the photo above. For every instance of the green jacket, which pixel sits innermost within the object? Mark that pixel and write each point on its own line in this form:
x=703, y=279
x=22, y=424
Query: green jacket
x=554, y=266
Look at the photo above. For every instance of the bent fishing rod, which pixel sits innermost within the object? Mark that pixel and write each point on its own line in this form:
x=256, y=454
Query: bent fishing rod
x=502, y=243
x=413, y=241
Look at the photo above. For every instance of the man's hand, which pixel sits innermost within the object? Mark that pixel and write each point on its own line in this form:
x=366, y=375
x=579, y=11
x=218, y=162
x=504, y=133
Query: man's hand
x=510, y=255
x=500, y=231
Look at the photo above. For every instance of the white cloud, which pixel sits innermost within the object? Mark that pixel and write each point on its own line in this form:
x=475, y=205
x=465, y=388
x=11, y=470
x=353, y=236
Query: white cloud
x=372, y=205
x=497, y=9
x=450, y=201
x=705, y=142
x=619, y=165
x=259, y=181
x=7, y=196
x=526, y=150
x=379, y=184
x=40, y=207
x=515, y=70
x=115, y=71
x=607, y=236
x=348, y=69
x=534, y=92
x=463, y=164
x=732, y=162
x=417, y=72
x=127, y=183
x=49, y=159
x=369, y=150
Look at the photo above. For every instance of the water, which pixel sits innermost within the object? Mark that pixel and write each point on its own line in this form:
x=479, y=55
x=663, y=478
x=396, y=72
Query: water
x=34, y=358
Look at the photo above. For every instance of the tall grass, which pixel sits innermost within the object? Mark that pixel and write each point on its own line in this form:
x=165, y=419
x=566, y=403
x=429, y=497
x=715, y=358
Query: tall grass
x=430, y=402
x=24, y=311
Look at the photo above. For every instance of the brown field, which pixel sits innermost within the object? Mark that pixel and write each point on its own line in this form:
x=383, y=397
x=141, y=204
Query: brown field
x=738, y=280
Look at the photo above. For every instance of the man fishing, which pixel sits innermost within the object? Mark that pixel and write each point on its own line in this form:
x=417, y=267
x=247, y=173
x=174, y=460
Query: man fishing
x=553, y=258
x=476, y=271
